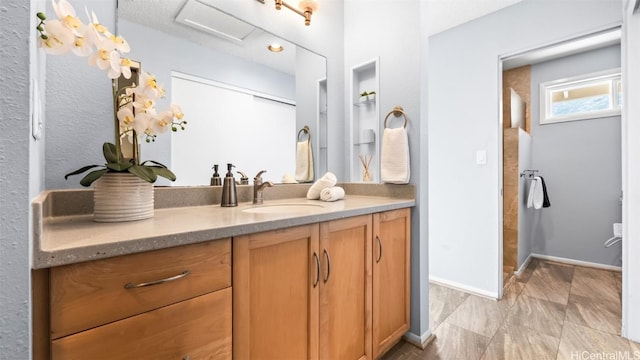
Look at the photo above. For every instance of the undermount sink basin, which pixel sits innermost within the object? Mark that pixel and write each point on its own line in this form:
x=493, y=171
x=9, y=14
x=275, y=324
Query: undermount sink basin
x=284, y=209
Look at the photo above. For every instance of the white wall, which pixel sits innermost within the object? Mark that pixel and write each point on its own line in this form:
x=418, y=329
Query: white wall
x=581, y=166
x=631, y=173
x=464, y=105
x=236, y=127
x=375, y=29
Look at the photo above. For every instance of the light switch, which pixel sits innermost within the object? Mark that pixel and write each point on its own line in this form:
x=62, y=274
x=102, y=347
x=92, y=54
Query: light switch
x=481, y=157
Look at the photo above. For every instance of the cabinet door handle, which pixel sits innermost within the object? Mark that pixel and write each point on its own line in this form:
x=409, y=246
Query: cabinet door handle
x=315, y=256
x=379, y=249
x=158, y=282
x=326, y=255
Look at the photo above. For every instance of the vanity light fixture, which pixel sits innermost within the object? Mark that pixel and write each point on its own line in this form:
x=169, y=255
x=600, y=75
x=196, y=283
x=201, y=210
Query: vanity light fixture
x=305, y=8
x=275, y=47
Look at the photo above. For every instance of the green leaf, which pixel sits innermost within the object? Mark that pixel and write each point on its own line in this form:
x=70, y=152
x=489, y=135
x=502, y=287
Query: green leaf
x=119, y=166
x=164, y=172
x=144, y=173
x=154, y=162
x=81, y=170
x=109, y=151
x=93, y=176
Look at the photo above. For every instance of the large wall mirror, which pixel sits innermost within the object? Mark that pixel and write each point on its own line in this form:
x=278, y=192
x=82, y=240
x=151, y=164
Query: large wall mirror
x=244, y=103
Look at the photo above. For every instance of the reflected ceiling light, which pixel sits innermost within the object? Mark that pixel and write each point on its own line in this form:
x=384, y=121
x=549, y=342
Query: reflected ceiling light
x=305, y=8
x=275, y=47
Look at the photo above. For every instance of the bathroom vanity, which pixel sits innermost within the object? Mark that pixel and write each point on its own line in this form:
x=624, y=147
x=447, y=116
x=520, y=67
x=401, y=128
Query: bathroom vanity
x=294, y=278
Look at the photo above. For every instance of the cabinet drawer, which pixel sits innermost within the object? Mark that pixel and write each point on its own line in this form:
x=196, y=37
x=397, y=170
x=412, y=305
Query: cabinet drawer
x=199, y=328
x=93, y=293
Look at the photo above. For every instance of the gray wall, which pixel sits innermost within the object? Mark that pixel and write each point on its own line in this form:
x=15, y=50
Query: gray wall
x=21, y=164
x=464, y=113
x=401, y=83
x=580, y=162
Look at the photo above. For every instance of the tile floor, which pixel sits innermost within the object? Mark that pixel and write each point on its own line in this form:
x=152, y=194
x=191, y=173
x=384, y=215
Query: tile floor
x=552, y=311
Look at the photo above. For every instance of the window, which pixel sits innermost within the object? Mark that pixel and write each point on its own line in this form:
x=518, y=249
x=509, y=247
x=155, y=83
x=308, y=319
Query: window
x=582, y=97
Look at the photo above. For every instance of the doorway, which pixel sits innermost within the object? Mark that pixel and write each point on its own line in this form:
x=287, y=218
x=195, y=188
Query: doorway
x=563, y=153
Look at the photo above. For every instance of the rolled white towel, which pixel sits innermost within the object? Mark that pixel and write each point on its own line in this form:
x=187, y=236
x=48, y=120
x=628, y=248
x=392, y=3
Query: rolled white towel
x=326, y=181
x=332, y=194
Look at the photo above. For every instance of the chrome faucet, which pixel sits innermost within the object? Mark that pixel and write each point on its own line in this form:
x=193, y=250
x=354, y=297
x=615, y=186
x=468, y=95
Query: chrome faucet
x=258, y=186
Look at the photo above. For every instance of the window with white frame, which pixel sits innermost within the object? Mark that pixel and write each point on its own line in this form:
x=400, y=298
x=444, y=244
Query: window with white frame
x=582, y=97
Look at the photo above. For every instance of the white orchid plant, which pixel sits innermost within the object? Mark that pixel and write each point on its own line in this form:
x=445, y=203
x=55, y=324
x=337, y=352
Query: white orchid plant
x=134, y=113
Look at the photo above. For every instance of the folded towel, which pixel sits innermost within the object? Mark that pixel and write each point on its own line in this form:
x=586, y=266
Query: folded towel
x=394, y=158
x=532, y=190
x=538, y=194
x=326, y=181
x=545, y=202
x=304, y=161
x=332, y=194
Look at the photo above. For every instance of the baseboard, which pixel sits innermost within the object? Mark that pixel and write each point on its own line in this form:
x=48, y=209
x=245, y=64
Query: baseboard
x=523, y=266
x=419, y=341
x=576, y=262
x=462, y=287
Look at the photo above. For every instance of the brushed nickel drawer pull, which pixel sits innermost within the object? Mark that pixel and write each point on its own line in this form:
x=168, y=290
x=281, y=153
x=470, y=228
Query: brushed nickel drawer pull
x=157, y=282
x=326, y=254
x=379, y=248
x=315, y=283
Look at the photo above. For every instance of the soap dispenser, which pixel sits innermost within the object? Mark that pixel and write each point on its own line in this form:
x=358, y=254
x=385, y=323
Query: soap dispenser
x=229, y=194
x=215, y=179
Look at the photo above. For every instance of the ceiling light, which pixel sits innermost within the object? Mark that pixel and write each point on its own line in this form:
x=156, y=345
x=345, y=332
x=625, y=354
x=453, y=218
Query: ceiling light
x=275, y=47
x=305, y=8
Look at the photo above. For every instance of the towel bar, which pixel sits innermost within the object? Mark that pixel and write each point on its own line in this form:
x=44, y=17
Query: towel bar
x=305, y=130
x=397, y=112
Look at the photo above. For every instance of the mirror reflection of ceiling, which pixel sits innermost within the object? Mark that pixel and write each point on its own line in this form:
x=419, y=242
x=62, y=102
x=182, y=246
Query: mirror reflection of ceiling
x=200, y=22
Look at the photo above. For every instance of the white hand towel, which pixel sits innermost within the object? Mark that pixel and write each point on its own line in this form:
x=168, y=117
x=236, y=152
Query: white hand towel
x=394, y=159
x=538, y=194
x=332, y=194
x=532, y=190
x=304, y=161
x=326, y=181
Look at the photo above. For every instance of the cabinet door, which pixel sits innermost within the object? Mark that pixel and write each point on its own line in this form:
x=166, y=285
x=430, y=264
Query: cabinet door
x=276, y=278
x=345, y=289
x=199, y=328
x=391, y=278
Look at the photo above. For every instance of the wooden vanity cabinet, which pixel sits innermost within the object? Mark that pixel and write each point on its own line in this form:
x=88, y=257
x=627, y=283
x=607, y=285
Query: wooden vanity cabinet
x=165, y=304
x=391, y=278
x=345, y=289
x=276, y=282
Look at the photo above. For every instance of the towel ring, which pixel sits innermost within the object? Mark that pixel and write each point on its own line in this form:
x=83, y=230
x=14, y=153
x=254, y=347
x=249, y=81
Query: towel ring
x=397, y=112
x=305, y=130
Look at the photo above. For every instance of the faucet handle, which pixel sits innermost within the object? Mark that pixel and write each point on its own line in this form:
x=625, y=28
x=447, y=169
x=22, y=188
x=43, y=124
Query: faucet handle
x=259, y=175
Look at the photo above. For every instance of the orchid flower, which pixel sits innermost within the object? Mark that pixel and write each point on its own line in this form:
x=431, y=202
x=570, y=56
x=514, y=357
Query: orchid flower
x=177, y=111
x=58, y=39
x=106, y=57
x=148, y=86
x=67, y=15
x=146, y=105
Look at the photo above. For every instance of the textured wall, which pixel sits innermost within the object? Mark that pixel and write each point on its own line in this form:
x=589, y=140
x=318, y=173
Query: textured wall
x=580, y=162
x=14, y=179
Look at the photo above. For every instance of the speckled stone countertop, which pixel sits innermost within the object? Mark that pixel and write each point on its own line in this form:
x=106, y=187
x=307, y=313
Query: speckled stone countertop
x=65, y=233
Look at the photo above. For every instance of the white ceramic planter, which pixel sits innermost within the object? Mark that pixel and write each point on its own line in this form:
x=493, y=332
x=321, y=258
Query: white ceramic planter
x=122, y=197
